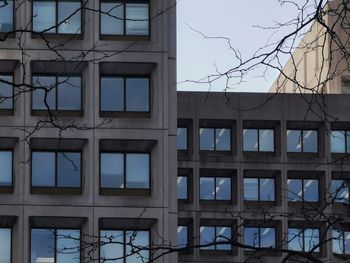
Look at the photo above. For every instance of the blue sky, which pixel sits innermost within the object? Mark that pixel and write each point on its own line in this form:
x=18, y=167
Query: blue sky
x=230, y=18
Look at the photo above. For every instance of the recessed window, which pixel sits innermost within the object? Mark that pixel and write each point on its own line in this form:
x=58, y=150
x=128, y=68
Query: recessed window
x=123, y=17
x=182, y=236
x=182, y=187
x=6, y=168
x=304, y=239
x=181, y=139
x=341, y=242
x=215, y=188
x=57, y=16
x=259, y=189
x=55, y=245
x=340, y=142
x=339, y=191
x=260, y=237
x=210, y=236
x=215, y=139
x=6, y=90
x=302, y=141
x=258, y=140
x=129, y=246
x=5, y=247
x=6, y=15
x=303, y=190
x=56, y=169
x=125, y=170
x=61, y=93
x=345, y=87
x=125, y=94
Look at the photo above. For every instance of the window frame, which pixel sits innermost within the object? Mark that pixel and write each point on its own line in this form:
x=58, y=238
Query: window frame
x=258, y=141
x=14, y=20
x=215, y=200
x=259, y=190
x=9, y=74
x=215, y=250
x=215, y=146
x=9, y=189
x=259, y=231
x=302, y=190
x=302, y=141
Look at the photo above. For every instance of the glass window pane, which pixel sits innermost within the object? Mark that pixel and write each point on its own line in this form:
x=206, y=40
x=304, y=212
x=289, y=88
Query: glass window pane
x=294, y=141
x=42, y=245
x=112, y=94
x=137, y=94
x=6, y=16
x=43, y=169
x=337, y=141
x=250, y=140
x=6, y=168
x=223, y=188
x=207, y=188
x=112, y=19
x=69, y=17
x=311, y=190
x=207, y=236
x=295, y=239
x=137, y=171
x=44, y=94
x=267, y=237
x=181, y=139
x=311, y=237
x=251, y=189
x=137, y=248
x=339, y=191
x=347, y=242
x=295, y=190
x=223, y=139
x=182, y=236
x=251, y=236
x=266, y=140
x=337, y=242
x=69, y=93
x=223, y=234
x=5, y=247
x=68, y=169
x=68, y=246
x=310, y=141
x=112, y=170
x=111, y=246
x=6, y=90
x=347, y=141
x=182, y=187
x=206, y=136
x=267, y=189
x=44, y=16
x=137, y=19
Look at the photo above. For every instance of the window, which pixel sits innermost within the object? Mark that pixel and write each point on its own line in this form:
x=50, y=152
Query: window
x=259, y=189
x=211, y=236
x=56, y=93
x=6, y=168
x=57, y=16
x=181, y=139
x=341, y=242
x=258, y=140
x=304, y=239
x=130, y=246
x=345, y=87
x=6, y=90
x=339, y=191
x=340, y=142
x=306, y=190
x=5, y=247
x=6, y=15
x=125, y=94
x=305, y=141
x=125, y=170
x=260, y=236
x=182, y=236
x=55, y=245
x=215, y=139
x=123, y=17
x=56, y=169
x=182, y=187
x=215, y=188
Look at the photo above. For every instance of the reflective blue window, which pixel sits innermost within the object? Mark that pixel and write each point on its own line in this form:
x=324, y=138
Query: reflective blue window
x=260, y=236
x=44, y=93
x=137, y=246
x=182, y=187
x=69, y=17
x=303, y=190
x=181, y=139
x=341, y=242
x=215, y=188
x=112, y=170
x=137, y=94
x=258, y=140
x=6, y=168
x=5, y=247
x=6, y=90
x=6, y=16
x=68, y=169
x=111, y=245
x=69, y=93
x=302, y=141
x=137, y=19
x=43, y=169
x=340, y=141
x=44, y=16
x=215, y=139
x=182, y=236
x=112, y=18
x=112, y=94
x=259, y=189
x=68, y=246
x=211, y=236
x=339, y=191
x=304, y=239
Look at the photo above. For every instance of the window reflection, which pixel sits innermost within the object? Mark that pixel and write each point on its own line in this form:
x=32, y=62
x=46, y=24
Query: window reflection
x=182, y=236
x=6, y=168
x=215, y=139
x=341, y=242
x=6, y=16
x=210, y=236
x=259, y=189
x=260, y=236
x=303, y=239
x=258, y=140
x=6, y=90
x=182, y=187
x=302, y=141
x=215, y=188
x=112, y=16
x=303, y=190
x=5, y=247
x=181, y=139
x=339, y=191
x=69, y=17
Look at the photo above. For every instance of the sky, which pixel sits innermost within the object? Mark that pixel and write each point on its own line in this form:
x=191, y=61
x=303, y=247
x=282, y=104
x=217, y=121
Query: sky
x=235, y=19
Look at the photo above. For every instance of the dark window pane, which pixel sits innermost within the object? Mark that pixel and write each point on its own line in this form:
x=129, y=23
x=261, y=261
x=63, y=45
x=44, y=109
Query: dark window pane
x=5, y=247
x=223, y=188
x=266, y=140
x=250, y=140
x=137, y=171
x=310, y=142
x=42, y=245
x=6, y=168
x=112, y=94
x=337, y=242
x=294, y=141
x=338, y=141
x=6, y=16
x=112, y=170
x=68, y=246
x=207, y=236
x=339, y=191
x=267, y=190
x=182, y=236
x=137, y=19
x=251, y=236
x=251, y=189
x=181, y=139
x=207, y=188
x=111, y=246
x=311, y=239
x=206, y=136
x=139, y=242
x=137, y=94
x=44, y=93
x=68, y=169
x=182, y=187
x=295, y=190
x=267, y=237
x=295, y=239
x=69, y=93
x=112, y=19
x=69, y=23
x=6, y=91
x=223, y=139
x=223, y=234
x=44, y=16
x=43, y=169
x=311, y=190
